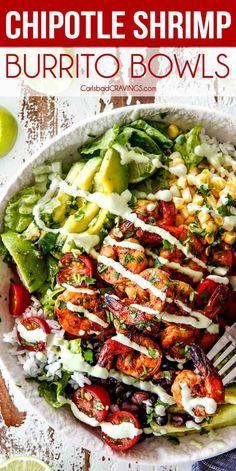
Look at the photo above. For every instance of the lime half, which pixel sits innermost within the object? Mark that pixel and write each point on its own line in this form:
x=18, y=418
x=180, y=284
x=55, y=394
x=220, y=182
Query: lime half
x=8, y=131
x=24, y=463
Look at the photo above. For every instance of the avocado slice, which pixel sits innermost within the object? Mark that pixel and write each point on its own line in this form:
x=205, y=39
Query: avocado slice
x=30, y=264
x=224, y=417
x=112, y=176
x=63, y=198
x=230, y=394
x=84, y=180
x=98, y=224
x=78, y=222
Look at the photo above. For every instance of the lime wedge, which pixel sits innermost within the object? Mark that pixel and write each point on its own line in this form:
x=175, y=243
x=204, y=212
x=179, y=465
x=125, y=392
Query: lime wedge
x=8, y=131
x=48, y=85
x=24, y=463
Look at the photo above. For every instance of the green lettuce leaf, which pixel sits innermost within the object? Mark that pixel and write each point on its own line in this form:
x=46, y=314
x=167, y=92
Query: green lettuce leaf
x=186, y=144
x=138, y=138
x=51, y=391
x=102, y=143
x=18, y=214
x=153, y=132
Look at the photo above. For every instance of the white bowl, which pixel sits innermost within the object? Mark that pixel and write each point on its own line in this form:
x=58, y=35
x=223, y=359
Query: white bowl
x=152, y=451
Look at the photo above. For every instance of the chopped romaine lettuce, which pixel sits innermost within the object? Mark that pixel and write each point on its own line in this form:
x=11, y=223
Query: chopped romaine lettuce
x=102, y=142
x=152, y=132
x=186, y=144
x=51, y=391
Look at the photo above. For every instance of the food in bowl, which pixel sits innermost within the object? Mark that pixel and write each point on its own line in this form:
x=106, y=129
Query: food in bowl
x=123, y=279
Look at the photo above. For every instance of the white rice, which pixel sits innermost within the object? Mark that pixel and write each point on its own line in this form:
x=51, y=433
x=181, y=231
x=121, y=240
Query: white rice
x=78, y=380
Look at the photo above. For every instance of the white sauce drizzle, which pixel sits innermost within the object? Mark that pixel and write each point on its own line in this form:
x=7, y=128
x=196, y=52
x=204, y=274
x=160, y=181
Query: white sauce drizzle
x=123, y=244
x=192, y=424
x=194, y=274
x=218, y=279
x=73, y=289
x=89, y=315
x=122, y=430
x=164, y=195
x=109, y=262
x=31, y=336
x=190, y=403
x=121, y=338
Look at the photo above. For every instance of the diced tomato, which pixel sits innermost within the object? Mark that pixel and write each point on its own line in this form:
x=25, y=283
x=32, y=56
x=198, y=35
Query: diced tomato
x=33, y=323
x=117, y=418
x=73, y=269
x=93, y=401
x=19, y=299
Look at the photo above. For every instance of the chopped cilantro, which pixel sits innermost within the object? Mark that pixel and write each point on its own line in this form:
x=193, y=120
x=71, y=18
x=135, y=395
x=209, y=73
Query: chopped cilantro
x=128, y=258
x=153, y=353
x=204, y=191
x=88, y=355
x=167, y=245
x=102, y=268
x=199, y=231
x=47, y=242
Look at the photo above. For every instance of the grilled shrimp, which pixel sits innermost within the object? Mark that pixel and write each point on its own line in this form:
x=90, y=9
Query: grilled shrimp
x=72, y=321
x=132, y=362
x=160, y=281
x=174, y=339
x=133, y=259
x=127, y=316
x=206, y=384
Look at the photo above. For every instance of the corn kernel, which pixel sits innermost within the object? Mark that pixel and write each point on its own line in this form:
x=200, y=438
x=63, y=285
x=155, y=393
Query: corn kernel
x=190, y=220
x=229, y=237
x=218, y=219
x=203, y=217
x=218, y=183
x=210, y=226
x=179, y=220
x=174, y=190
x=182, y=182
x=198, y=199
x=209, y=238
x=193, y=208
x=177, y=161
x=203, y=177
x=179, y=202
x=175, y=154
x=184, y=212
x=186, y=195
x=191, y=179
x=173, y=131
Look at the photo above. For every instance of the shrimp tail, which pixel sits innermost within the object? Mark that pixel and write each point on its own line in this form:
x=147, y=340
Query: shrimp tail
x=201, y=361
x=113, y=303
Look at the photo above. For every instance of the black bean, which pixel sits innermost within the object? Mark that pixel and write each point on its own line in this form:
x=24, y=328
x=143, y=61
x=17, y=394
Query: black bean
x=114, y=408
x=128, y=394
x=152, y=399
x=120, y=389
x=139, y=396
x=129, y=407
x=177, y=420
x=161, y=419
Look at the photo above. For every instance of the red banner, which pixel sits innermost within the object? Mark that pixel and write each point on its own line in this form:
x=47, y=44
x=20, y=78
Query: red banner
x=191, y=23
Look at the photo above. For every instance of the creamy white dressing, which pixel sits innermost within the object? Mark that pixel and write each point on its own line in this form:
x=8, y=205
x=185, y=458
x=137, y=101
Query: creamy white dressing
x=119, y=431
x=121, y=338
x=114, y=203
x=73, y=289
x=31, y=336
x=190, y=403
x=218, y=279
x=130, y=155
x=191, y=424
x=89, y=315
x=126, y=244
x=213, y=328
x=42, y=202
x=109, y=262
x=132, y=217
x=151, y=207
x=82, y=416
x=194, y=274
x=84, y=239
x=164, y=195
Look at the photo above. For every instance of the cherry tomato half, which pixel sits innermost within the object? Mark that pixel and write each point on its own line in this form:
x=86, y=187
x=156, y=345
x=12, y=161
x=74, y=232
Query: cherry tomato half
x=205, y=289
x=73, y=268
x=33, y=323
x=93, y=400
x=117, y=418
x=19, y=299
x=223, y=258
